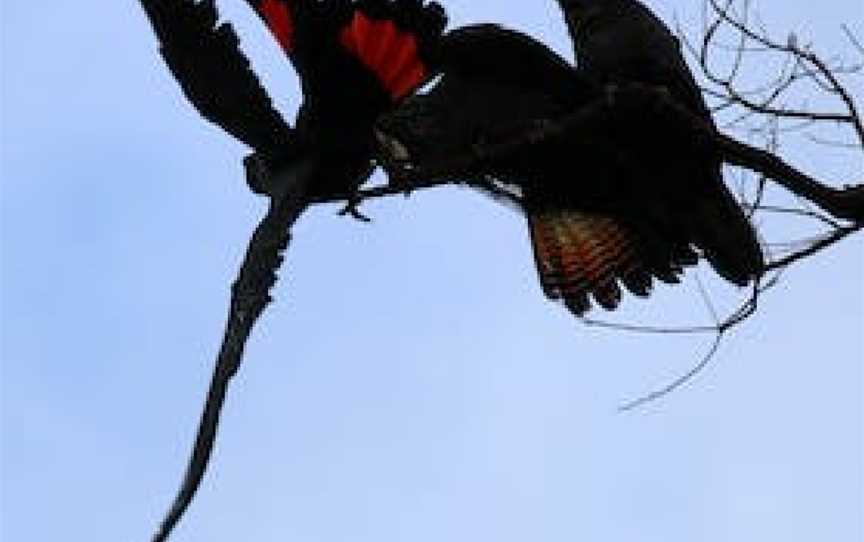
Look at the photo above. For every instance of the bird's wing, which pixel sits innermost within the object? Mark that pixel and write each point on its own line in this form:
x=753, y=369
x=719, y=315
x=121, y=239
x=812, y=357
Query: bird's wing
x=217, y=80
x=484, y=108
x=624, y=40
x=582, y=257
x=494, y=53
x=215, y=76
x=396, y=41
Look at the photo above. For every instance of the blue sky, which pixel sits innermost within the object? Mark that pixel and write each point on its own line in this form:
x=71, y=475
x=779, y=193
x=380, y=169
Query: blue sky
x=410, y=382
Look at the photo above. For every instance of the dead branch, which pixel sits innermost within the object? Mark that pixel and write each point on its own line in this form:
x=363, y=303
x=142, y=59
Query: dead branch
x=800, y=67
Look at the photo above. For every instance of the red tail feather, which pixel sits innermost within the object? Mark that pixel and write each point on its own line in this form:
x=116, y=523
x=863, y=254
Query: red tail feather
x=361, y=32
x=280, y=22
x=403, y=52
x=408, y=80
x=383, y=40
x=388, y=46
x=390, y=53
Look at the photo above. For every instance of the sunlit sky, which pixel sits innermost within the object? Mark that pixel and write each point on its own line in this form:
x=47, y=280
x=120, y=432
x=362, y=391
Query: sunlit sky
x=410, y=383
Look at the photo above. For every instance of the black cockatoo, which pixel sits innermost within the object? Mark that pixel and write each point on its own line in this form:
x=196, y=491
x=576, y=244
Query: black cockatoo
x=622, y=41
x=356, y=60
x=604, y=210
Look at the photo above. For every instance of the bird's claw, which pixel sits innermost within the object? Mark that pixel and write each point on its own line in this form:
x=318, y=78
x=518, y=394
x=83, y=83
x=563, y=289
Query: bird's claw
x=352, y=209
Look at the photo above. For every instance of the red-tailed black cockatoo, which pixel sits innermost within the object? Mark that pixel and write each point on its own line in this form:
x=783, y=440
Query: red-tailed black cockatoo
x=622, y=41
x=356, y=60
x=602, y=211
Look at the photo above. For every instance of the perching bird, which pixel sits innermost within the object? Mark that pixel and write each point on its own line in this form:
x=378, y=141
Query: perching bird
x=596, y=221
x=622, y=41
x=356, y=60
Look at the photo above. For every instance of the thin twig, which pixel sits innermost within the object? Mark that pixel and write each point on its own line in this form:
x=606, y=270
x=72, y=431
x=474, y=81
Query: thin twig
x=678, y=382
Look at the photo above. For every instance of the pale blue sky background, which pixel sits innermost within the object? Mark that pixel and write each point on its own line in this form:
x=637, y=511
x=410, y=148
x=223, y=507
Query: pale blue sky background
x=410, y=383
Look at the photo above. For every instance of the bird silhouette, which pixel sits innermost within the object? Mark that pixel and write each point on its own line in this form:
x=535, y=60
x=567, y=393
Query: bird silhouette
x=606, y=207
x=356, y=60
x=622, y=41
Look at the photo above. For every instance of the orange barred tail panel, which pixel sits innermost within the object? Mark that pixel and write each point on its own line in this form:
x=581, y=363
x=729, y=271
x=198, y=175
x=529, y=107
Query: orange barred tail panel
x=581, y=256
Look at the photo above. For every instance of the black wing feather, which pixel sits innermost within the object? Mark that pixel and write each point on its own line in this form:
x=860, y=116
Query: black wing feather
x=214, y=74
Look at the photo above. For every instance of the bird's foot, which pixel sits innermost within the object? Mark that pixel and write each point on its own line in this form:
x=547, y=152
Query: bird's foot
x=352, y=209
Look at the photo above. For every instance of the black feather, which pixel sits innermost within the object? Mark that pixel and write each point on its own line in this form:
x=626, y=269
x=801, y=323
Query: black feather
x=214, y=74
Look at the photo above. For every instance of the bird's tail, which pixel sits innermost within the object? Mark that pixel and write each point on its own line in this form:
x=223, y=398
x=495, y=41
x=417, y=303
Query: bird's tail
x=584, y=256
x=397, y=41
x=719, y=227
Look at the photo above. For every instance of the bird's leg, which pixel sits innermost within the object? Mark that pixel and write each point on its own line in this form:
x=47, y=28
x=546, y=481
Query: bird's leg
x=355, y=198
x=262, y=179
